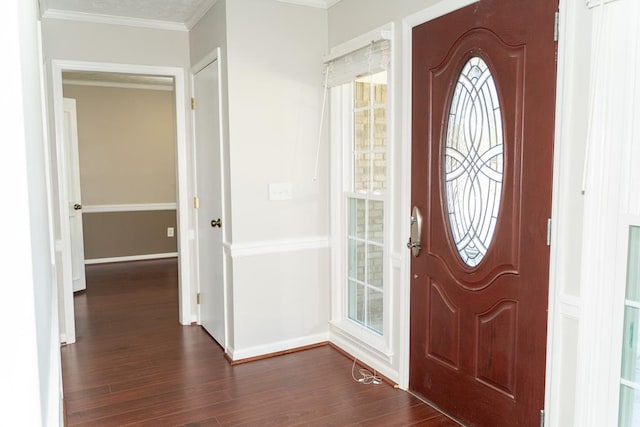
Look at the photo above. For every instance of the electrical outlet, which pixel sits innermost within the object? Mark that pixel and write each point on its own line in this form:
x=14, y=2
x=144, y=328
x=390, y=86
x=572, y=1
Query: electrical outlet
x=169, y=231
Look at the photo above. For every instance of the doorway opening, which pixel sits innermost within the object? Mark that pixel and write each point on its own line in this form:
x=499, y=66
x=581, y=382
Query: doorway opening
x=133, y=209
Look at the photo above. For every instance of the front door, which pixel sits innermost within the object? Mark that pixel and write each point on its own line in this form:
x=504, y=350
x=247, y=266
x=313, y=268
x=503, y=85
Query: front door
x=209, y=194
x=482, y=148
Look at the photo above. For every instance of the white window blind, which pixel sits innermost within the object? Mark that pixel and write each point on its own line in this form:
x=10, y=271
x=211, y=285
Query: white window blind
x=370, y=59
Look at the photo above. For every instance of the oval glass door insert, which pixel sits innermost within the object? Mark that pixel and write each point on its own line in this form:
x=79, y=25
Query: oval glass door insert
x=473, y=161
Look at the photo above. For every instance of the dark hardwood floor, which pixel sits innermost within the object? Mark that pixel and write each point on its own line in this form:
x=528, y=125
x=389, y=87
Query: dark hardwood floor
x=133, y=364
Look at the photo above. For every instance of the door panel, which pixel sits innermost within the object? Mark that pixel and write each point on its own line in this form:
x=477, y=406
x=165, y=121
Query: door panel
x=209, y=193
x=74, y=196
x=480, y=285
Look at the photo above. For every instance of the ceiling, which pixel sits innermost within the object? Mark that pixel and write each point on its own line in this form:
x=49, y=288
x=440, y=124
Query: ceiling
x=166, y=14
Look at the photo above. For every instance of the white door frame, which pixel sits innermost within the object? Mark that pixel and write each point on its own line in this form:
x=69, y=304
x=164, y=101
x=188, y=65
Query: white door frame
x=184, y=264
x=213, y=56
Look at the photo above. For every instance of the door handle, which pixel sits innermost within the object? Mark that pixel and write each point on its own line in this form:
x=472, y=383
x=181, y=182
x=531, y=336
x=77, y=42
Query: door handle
x=216, y=223
x=77, y=207
x=414, y=243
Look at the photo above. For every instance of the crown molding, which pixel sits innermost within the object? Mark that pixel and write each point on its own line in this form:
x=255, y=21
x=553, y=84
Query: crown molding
x=121, y=85
x=320, y=4
x=113, y=20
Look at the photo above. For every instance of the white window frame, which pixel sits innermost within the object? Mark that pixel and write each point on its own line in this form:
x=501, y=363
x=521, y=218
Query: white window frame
x=341, y=135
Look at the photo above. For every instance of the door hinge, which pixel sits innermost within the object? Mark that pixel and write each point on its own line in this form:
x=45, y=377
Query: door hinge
x=548, y=231
x=196, y=202
x=198, y=298
x=542, y=418
x=556, y=26
x=193, y=103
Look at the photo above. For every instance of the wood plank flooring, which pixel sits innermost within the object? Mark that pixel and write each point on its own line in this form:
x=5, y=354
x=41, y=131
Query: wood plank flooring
x=133, y=364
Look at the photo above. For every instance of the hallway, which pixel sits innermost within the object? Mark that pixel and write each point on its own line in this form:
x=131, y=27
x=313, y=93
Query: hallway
x=133, y=364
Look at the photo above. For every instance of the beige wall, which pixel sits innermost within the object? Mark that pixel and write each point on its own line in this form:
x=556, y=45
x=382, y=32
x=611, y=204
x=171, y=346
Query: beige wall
x=126, y=145
x=126, y=142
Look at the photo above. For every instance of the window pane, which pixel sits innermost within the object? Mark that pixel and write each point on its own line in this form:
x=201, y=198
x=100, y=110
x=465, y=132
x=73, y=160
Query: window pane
x=380, y=129
x=356, y=217
x=379, y=172
x=376, y=221
x=356, y=302
x=374, y=265
x=630, y=349
x=633, y=265
x=356, y=260
x=362, y=92
x=374, y=310
x=380, y=88
x=361, y=130
x=629, y=414
x=361, y=176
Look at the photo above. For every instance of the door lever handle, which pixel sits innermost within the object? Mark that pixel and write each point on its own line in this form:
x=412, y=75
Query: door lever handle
x=411, y=245
x=216, y=223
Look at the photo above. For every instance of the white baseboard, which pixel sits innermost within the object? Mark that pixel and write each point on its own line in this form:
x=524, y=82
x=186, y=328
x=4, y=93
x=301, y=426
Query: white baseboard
x=276, y=347
x=130, y=258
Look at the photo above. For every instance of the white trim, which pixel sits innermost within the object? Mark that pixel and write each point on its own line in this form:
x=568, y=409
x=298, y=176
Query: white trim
x=132, y=207
x=569, y=306
x=377, y=360
x=277, y=246
x=95, y=83
x=418, y=18
x=384, y=32
x=210, y=57
x=183, y=201
x=199, y=13
x=320, y=4
x=96, y=18
x=130, y=258
x=275, y=347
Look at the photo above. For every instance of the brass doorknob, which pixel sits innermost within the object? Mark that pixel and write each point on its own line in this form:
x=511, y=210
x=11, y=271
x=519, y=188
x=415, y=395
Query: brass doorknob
x=216, y=223
x=77, y=207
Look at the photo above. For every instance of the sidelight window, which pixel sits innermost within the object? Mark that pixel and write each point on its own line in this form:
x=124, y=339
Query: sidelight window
x=359, y=127
x=629, y=412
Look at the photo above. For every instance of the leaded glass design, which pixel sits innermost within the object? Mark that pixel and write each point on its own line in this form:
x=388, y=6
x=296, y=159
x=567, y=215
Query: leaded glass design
x=473, y=161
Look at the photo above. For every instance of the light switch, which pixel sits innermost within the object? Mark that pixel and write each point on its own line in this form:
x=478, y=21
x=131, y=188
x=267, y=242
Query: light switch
x=280, y=191
x=169, y=231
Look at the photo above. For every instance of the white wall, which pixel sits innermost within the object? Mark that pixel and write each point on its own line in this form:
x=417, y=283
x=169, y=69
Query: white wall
x=272, y=66
x=31, y=389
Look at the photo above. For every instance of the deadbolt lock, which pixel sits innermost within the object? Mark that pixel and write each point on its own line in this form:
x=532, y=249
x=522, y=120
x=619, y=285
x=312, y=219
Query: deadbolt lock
x=77, y=207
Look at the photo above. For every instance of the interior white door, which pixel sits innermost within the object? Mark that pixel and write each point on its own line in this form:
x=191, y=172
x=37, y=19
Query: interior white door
x=74, y=198
x=209, y=194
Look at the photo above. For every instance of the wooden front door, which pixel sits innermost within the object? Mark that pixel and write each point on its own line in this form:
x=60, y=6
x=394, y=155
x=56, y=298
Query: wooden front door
x=483, y=124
